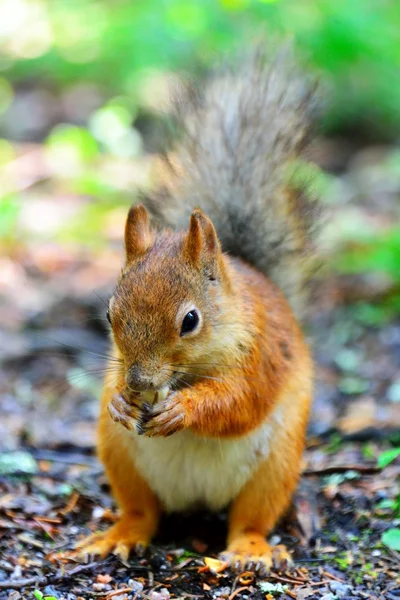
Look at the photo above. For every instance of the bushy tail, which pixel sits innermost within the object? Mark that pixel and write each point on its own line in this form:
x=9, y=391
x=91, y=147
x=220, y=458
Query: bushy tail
x=238, y=160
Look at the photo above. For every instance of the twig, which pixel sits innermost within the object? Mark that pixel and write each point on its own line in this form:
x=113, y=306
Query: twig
x=21, y=583
x=330, y=576
x=42, y=580
x=183, y=564
x=190, y=596
x=300, y=576
x=394, y=554
x=293, y=581
x=72, y=502
x=118, y=592
x=76, y=570
x=365, y=469
x=310, y=560
x=64, y=457
x=51, y=521
x=234, y=584
x=237, y=591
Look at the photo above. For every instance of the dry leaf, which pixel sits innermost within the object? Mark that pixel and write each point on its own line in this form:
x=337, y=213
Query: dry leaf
x=215, y=565
x=246, y=578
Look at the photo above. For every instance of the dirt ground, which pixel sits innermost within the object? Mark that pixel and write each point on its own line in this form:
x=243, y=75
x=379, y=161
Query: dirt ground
x=53, y=491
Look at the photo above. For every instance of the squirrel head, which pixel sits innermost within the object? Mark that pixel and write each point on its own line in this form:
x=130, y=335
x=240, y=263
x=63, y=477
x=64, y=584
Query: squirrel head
x=171, y=299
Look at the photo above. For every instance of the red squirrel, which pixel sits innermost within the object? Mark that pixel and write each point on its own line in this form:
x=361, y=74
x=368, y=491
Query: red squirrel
x=214, y=378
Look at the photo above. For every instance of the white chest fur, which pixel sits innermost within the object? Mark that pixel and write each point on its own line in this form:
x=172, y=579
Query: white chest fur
x=187, y=471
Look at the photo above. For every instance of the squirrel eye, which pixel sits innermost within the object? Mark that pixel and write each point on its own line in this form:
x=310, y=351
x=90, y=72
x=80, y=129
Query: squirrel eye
x=190, y=322
x=108, y=316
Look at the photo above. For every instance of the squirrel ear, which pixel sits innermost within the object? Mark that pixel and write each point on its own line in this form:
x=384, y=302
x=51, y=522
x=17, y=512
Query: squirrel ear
x=138, y=236
x=201, y=245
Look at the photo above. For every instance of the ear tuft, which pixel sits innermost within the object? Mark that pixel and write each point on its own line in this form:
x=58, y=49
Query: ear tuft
x=201, y=246
x=138, y=235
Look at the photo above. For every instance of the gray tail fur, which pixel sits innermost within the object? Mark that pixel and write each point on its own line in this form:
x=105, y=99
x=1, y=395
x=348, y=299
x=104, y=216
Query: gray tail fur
x=238, y=161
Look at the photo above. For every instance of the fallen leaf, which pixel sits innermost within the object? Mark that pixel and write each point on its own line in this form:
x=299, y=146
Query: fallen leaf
x=215, y=565
x=305, y=593
x=246, y=578
x=391, y=538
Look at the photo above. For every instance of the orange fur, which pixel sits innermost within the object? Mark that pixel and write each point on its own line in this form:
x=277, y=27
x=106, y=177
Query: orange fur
x=213, y=336
x=267, y=495
x=139, y=507
x=246, y=367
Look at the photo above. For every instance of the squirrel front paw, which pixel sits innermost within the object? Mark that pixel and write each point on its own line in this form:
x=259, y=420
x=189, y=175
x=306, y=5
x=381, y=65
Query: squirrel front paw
x=164, y=418
x=126, y=411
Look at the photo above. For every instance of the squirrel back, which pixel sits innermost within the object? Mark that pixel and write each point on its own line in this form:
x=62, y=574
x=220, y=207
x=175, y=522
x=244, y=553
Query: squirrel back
x=237, y=160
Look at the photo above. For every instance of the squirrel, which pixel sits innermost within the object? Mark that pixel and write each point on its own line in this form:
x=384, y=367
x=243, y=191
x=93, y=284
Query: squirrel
x=209, y=390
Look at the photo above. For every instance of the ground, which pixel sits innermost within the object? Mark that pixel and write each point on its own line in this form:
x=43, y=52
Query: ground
x=53, y=491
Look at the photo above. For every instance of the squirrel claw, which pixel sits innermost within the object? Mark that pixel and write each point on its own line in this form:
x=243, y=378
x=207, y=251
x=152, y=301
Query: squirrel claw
x=166, y=418
x=141, y=427
x=124, y=412
x=251, y=552
x=121, y=539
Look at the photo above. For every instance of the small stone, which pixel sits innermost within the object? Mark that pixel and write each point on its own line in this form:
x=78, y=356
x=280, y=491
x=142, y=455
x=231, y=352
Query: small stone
x=49, y=590
x=340, y=589
x=156, y=560
x=162, y=594
x=222, y=592
x=17, y=573
x=136, y=586
x=97, y=512
x=275, y=540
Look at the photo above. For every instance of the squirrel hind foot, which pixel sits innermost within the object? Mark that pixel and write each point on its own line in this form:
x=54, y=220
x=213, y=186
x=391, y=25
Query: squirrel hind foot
x=252, y=552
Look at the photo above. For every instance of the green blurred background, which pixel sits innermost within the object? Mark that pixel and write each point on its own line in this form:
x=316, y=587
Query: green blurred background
x=83, y=85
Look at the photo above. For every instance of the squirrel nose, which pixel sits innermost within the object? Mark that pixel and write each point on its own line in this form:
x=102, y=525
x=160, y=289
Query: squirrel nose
x=136, y=380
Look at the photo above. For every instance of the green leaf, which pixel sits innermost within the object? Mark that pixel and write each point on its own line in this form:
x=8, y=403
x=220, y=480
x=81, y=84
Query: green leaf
x=387, y=457
x=391, y=538
x=38, y=595
x=353, y=385
x=387, y=503
x=13, y=462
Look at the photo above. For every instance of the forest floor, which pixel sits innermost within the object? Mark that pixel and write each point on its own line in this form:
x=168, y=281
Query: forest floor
x=53, y=491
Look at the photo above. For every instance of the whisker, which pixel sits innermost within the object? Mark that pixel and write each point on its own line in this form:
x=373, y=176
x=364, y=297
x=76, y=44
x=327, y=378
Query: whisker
x=76, y=376
x=210, y=366
x=69, y=346
x=184, y=384
x=197, y=375
x=92, y=319
x=111, y=369
x=177, y=381
x=101, y=299
x=94, y=360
